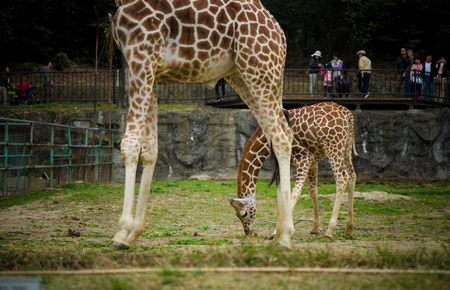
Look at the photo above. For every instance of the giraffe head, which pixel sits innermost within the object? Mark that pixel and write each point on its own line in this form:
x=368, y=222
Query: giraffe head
x=245, y=211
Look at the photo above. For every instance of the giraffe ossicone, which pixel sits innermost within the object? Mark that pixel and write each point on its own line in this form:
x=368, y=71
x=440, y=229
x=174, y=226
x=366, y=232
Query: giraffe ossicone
x=323, y=130
x=198, y=41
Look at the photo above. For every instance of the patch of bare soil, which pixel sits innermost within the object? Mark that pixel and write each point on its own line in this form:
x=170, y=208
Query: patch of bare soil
x=380, y=196
x=48, y=221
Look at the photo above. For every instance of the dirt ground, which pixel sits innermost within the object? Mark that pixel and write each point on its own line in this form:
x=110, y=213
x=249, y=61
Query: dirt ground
x=72, y=229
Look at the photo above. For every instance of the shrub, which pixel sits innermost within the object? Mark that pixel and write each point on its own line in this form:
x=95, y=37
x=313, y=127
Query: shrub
x=61, y=61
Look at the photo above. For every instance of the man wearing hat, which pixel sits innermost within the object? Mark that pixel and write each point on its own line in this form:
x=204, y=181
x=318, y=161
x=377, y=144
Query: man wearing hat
x=364, y=65
x=314, y=69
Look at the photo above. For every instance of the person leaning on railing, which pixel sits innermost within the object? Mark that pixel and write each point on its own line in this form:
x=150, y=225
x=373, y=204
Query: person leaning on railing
x=416, y=78
x=401, y=64
x=365, y=66
x=410, y=57
x=47, y=83
x=5, y=82
x=428, y=74
x=313, y=72
x=441, y=79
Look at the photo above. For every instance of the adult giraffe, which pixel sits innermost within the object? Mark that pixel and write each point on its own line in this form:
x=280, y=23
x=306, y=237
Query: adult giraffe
x=320, y=130
x=199, y=41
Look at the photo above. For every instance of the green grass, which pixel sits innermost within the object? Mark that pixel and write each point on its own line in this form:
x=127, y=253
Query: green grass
x=21, y=199
x=191, y=224
x=171, y=279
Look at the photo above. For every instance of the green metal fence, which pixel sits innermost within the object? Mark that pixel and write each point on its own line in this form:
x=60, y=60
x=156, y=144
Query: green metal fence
x=37, y=155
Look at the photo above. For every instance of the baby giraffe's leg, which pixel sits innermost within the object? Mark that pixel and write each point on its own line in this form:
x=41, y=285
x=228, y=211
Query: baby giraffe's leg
x=351, y=189
x=302, y=163
x=312, y=182
x=341, y=175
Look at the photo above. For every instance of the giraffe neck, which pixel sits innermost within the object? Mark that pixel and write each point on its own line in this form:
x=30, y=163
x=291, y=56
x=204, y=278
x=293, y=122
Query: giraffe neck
x=256, y=151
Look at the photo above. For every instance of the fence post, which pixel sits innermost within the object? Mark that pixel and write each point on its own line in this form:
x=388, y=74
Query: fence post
x=31, y=151
x=86, y=156
x=52, y=157
x=5, y=163
x=124, y=89
x=69, y=154
x=111, y=156
x=99, y=156
x=95, y=98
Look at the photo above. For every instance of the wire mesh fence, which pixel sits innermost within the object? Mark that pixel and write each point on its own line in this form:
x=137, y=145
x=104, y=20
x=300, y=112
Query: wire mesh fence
x=37, y=155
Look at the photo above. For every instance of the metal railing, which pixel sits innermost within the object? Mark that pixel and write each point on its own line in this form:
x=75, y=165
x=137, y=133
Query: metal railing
x=383, y=83
x=109, y=86
x=39, y=155
x=66, y=86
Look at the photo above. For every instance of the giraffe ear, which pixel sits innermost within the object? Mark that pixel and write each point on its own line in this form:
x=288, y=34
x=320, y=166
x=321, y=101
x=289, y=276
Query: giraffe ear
x=237, y=203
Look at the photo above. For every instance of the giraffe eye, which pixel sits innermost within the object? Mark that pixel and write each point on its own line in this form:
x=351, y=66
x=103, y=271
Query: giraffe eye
x=245, y=214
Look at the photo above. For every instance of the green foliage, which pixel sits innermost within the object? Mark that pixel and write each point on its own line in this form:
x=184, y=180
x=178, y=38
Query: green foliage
x=34, y=30
x=380, y=27
x=29, y=67
x=61, y=61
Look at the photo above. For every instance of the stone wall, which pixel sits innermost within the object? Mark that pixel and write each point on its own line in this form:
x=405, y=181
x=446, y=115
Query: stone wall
x=412, y=144
x=203, y=141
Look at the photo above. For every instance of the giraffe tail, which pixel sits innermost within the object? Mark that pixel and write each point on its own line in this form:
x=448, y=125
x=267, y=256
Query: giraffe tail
x=276, y=172
x=353, y=136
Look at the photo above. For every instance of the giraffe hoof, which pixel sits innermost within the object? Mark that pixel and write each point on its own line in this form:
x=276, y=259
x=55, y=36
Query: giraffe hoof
x=284, y=243
x=271, y=237
x=349, y=231
x=329, y=235
x=119, y=246
x=316, y=232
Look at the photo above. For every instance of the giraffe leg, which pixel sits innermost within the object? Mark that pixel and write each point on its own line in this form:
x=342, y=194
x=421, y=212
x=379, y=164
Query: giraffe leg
x=130, y=152
x=149, y=153
x=341, y=175
x=278, y=132
x=312, y=183
x=285, y=224
x=340, y=187
x=351, y=189
x=301, y=162
x=136, y=130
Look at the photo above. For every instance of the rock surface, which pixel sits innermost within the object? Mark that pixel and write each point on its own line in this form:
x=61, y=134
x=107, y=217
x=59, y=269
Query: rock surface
x=208, y=142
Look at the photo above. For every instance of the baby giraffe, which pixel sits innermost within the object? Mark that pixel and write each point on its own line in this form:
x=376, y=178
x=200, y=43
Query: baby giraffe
x=320, y=130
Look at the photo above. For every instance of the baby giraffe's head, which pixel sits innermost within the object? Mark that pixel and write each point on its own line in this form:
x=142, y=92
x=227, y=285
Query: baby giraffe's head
x=245, y=211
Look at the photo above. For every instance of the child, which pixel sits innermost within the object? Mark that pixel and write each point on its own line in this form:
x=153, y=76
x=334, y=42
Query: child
x=327, y=76
x=416, y=78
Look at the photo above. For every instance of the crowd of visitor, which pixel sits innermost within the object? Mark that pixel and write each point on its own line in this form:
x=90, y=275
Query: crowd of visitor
x=427, y=80
x=22, y=91
x=423, y=79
